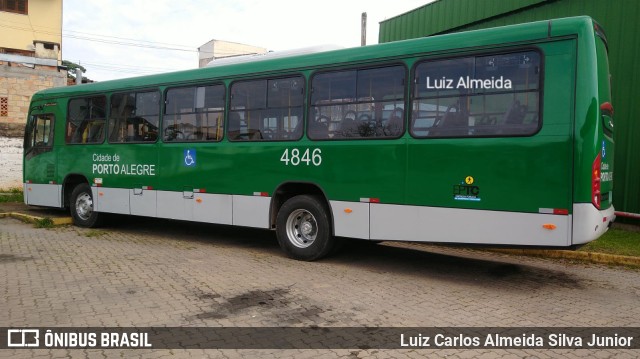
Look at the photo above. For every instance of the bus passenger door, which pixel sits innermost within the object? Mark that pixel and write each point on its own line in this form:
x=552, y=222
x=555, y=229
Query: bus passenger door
x=133, y=125
x=40, y=187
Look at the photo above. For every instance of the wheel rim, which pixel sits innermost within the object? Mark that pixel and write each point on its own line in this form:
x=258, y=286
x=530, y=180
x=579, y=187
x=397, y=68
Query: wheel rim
x=302, y=228
x=84, y=206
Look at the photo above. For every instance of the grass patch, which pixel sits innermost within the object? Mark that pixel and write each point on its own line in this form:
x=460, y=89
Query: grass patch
x=616, y=241
x=95, y=233
x=44, y=223
x=11, y=195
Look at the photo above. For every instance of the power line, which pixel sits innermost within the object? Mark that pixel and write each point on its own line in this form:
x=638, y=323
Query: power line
x=127, y=39
x=105, y=64
x=57, y=33
x=126, y=68
x=96, y=67
x=114, y=40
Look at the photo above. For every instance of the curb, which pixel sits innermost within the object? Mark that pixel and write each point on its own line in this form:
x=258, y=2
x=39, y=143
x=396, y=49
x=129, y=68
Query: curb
x=58, y=221
x=593, y=257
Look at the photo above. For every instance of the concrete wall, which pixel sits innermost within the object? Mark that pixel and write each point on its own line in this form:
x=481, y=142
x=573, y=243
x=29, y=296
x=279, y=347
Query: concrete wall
x=11, y=162
x=26, y=66
x=17, y=84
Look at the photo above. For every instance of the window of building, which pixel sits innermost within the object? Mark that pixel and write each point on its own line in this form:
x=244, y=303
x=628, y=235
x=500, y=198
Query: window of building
x=4, y=106
x=134, y=117
x=17, y=6
x=364, y=103
x=495, y=95
x=266, y=110
x=86, y=120
x=194, y=114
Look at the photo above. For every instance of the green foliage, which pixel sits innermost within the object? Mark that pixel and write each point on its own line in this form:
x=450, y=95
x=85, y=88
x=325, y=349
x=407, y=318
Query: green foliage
x=44, y=223
x=71, y=68
x=95, y=233
x=11, y=195
x=616, y=241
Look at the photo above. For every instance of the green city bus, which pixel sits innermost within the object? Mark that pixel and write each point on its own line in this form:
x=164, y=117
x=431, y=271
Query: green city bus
x=500, y=136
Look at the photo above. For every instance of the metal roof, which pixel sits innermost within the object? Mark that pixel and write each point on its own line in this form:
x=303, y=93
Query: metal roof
x=444, y=15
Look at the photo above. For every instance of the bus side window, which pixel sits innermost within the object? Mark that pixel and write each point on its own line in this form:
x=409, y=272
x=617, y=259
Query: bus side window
x=489, y=95
x=285, y=98
x=233, y=128
x=193, y=113
x=361, y=103
x=134, y=117
x=86, y=119
x=266, y=110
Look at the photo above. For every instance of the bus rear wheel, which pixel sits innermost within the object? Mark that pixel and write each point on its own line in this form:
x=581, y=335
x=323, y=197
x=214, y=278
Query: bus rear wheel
x=303, y=228
x=82, y=207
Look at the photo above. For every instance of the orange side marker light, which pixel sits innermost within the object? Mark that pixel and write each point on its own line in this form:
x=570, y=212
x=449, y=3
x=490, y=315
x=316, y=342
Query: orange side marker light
x=348, y=210
x=549, y=226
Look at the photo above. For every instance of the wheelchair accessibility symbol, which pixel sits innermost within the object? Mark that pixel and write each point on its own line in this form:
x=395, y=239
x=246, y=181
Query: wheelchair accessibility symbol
x=190, y=157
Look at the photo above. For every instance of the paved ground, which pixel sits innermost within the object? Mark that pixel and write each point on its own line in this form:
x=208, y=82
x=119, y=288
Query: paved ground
x=143, y=272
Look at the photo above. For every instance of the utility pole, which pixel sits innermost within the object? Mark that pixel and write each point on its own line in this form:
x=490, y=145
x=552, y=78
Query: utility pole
x=78, y=76
x=363, y=30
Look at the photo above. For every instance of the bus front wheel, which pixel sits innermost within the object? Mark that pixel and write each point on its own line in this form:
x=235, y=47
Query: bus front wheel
x=303, y=228
x=82, y=207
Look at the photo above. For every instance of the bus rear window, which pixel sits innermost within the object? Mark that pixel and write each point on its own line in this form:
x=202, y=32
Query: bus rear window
x=604, y=85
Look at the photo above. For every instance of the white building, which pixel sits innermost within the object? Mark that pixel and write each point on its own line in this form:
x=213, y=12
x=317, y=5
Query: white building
x=216, y=49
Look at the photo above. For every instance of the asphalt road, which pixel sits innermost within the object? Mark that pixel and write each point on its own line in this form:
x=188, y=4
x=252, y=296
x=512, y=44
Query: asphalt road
x=146, y=273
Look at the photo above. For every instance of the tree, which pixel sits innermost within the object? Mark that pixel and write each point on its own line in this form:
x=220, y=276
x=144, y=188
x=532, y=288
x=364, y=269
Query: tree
x=71, y=70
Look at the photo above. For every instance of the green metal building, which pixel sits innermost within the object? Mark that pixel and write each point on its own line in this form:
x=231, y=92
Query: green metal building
x=619, y=18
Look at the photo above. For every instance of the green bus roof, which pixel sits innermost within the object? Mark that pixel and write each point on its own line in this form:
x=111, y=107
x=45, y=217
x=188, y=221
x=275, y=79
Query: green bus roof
x=372, y=53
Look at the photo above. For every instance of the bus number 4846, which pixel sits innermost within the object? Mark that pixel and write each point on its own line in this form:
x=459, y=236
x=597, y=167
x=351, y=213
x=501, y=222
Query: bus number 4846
x=296, y=157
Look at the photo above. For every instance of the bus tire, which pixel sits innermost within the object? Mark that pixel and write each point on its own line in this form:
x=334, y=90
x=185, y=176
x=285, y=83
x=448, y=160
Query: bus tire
x=81, y=207
x=303, y=228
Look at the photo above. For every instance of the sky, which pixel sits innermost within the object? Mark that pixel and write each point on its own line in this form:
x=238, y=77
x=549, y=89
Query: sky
x=125, y=38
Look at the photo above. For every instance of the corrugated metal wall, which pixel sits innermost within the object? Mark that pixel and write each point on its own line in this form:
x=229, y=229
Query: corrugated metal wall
x=619, y=18
x=444, y=15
